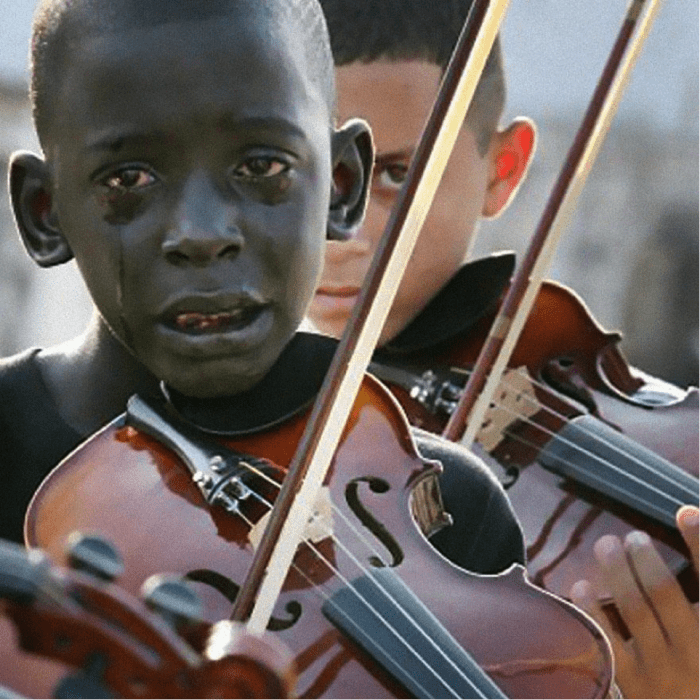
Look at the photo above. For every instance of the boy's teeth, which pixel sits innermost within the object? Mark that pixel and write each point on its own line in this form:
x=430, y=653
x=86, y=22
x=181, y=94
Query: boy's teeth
x=203, y=322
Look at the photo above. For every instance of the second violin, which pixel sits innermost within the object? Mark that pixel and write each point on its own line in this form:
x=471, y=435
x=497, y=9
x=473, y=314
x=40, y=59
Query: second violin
x=573, y=433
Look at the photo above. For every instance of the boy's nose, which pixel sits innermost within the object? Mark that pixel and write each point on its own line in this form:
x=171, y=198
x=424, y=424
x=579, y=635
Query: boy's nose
x=202, y=228
x=190, y=243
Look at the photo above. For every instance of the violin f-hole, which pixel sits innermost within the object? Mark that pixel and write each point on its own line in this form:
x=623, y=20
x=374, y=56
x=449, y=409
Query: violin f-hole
x=229, y=589
x=352, y=497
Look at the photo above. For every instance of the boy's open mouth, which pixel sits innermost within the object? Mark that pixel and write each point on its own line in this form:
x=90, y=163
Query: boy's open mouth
x=213, y=315
x=200, y=323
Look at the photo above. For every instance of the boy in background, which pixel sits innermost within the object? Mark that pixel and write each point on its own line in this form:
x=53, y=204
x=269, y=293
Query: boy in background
x=390, y=57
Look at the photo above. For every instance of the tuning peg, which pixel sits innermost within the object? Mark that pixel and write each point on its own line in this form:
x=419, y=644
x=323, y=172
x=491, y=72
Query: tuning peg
x=173, y=598
x=22, y=572
x=94, y=555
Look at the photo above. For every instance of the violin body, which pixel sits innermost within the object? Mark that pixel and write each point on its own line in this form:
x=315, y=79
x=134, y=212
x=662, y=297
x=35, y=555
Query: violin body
x=568, y=369
x=124, y=483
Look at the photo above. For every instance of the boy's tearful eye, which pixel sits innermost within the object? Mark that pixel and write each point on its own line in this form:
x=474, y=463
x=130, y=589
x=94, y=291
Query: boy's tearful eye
x=124, y=192
x=265, y=178
x=129, y=179
x=259, y=168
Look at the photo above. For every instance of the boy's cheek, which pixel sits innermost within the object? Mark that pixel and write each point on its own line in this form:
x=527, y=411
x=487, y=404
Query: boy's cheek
x=307, y=269
x=119, y=208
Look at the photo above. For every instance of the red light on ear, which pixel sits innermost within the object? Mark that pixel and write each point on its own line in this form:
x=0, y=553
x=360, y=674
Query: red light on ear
x=525, y=138
x=505, y=165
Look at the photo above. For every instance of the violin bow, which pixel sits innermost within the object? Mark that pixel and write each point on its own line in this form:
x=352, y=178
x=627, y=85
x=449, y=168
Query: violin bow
x=331, y=410
x=478, y=393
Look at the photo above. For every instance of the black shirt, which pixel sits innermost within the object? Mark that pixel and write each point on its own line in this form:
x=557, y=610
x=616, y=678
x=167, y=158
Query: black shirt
x=33, y=438
x=485, y=536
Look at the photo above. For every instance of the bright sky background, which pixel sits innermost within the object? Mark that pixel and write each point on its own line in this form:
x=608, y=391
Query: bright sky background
x=555, y=50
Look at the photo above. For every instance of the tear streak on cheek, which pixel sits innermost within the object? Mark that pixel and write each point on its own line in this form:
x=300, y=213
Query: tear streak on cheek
x=123, y=330
x=122, y=206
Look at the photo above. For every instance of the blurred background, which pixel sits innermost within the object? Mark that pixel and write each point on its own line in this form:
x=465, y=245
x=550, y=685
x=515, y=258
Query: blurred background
x=632, y=248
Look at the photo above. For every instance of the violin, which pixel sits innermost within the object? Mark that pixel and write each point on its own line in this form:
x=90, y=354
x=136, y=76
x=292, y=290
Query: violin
x=584, y=444
x=388, y=616
x=74, y=633
x=368, y=609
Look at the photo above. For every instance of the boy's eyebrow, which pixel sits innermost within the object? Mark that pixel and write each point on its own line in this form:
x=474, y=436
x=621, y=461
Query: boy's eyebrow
x=115, y=140
x=399, y=154
x=228, y=122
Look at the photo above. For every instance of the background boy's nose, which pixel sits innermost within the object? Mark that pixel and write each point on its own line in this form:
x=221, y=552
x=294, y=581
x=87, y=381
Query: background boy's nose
x=202, y=228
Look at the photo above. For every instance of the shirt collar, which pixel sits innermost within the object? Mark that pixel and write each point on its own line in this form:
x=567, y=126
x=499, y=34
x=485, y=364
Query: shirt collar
x=470, y=295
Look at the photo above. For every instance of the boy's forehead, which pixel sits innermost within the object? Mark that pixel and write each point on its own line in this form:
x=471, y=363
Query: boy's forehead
x=109, y=71
x=212, y=63
x=380, y=90
x=401, y=80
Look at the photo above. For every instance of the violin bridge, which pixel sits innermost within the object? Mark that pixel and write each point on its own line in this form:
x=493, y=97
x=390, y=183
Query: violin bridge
x=515, y=400
x=318, y=527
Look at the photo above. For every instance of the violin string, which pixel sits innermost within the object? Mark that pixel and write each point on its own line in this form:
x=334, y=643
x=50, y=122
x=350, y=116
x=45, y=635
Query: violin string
x=542, y=386
x=675, y=502
x=359, y=534
x=590, y=434
x=320, y=589
x=601, y=440
x=610, y=465
x=334, y=570
x=593, y=436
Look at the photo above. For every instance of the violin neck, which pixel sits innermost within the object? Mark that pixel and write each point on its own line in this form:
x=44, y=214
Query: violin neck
x=591, y=453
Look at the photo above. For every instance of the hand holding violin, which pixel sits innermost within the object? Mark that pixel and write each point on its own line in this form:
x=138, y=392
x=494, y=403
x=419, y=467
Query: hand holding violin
x=660, y=660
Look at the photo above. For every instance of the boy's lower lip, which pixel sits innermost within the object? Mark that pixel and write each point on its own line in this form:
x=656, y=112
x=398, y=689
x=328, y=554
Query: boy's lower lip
x=347, y=291
x=208, y=336
x=342, y=300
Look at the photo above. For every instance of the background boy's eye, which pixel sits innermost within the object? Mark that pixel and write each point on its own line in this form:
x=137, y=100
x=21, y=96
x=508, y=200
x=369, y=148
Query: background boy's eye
x=130, y=178
x=260, y=167
x=392, y=175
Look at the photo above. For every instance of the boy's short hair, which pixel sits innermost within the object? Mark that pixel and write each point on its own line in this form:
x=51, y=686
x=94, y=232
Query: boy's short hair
x=364, y=31
x=54, y=19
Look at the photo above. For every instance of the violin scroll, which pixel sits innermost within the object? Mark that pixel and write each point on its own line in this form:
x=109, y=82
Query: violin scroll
x=79, y=635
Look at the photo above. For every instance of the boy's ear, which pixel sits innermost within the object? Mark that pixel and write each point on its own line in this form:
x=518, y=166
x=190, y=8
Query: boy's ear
x=509, y=156
x=30, y=192
x=353, y=158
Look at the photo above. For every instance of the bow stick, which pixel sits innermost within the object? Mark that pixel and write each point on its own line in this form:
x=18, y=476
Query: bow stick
x=284, y=530
x=504, y=333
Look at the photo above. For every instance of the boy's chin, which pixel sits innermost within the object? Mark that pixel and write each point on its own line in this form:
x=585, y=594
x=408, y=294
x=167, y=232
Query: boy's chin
x=205, y=376
x=214, y=385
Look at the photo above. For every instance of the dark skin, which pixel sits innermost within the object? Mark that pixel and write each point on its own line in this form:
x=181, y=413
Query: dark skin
x=195, y=201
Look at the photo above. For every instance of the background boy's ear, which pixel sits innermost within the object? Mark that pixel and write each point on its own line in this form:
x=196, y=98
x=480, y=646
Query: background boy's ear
x=353, y=158
x=509, y=155
x=30, y=192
